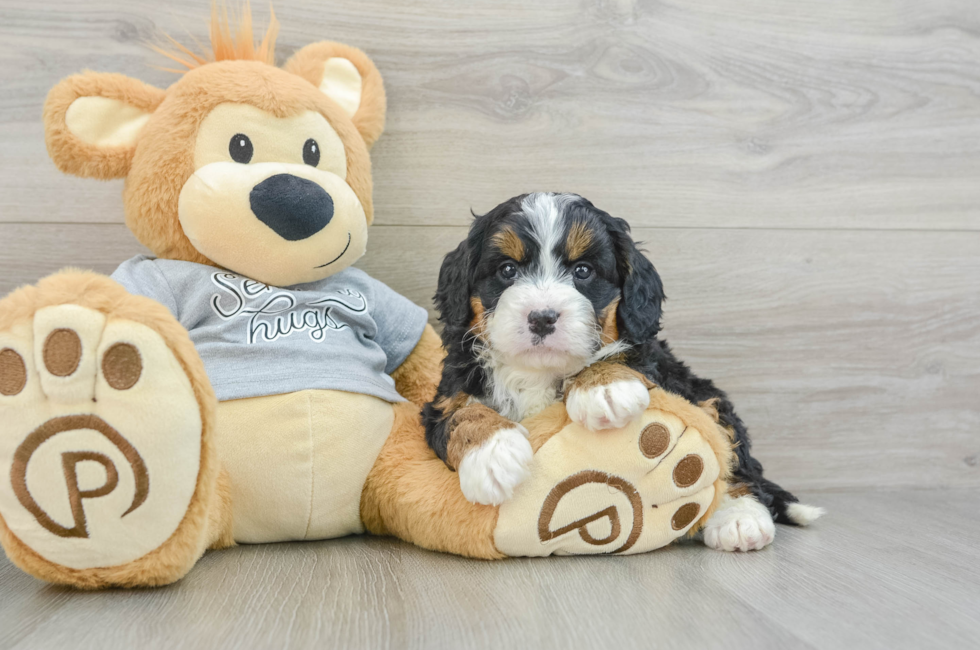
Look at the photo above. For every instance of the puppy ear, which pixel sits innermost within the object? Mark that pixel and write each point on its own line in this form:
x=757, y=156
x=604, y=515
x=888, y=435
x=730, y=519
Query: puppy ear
x=93, y=120
x=453, y=293
x=639, y=310
x=348, y=77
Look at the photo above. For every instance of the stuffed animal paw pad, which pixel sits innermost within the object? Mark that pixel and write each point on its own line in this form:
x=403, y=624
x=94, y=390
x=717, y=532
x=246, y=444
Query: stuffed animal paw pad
x=627, y=490
x=100, y=437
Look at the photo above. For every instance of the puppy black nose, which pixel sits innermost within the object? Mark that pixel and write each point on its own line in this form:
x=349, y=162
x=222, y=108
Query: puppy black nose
x=293, y=207
x=541, y=322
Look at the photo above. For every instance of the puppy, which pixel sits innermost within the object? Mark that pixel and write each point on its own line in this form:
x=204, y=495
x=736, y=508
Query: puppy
x=549, y=299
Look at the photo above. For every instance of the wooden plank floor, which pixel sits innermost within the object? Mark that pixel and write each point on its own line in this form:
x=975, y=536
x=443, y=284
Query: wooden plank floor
x=806, y=178
x=888, y=570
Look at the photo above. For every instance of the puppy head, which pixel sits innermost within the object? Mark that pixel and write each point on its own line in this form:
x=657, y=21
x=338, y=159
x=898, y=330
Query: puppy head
x=545, y=280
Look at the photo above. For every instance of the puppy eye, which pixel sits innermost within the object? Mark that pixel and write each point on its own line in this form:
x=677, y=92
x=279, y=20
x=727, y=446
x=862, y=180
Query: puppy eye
x=583, y=271
x=311, y=153
x=508, y=270
x=240, y=148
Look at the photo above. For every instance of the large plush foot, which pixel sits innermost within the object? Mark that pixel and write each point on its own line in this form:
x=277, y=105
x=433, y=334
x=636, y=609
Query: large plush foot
x=625, y=490
x=105, y=477
x=740, y=524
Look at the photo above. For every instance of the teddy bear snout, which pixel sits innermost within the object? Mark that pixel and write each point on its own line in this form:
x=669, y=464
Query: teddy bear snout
x=295, y=208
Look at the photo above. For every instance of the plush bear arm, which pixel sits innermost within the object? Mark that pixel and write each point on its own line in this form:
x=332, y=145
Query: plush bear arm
x=418, y=376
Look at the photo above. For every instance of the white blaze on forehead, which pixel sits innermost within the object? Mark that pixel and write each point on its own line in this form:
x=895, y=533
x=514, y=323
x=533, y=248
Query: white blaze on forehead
x=544, y=214
x=546, y=285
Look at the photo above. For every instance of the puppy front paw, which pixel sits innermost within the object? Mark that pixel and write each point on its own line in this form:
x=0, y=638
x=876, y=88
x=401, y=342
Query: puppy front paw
x=741, y=524
x=611, y=406
x=489, y=473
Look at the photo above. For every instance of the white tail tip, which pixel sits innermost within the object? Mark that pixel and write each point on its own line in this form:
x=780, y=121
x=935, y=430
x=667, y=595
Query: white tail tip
x=804, y=515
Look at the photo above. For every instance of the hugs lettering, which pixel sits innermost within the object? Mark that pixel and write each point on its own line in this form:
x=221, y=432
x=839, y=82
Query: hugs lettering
x=273, y=313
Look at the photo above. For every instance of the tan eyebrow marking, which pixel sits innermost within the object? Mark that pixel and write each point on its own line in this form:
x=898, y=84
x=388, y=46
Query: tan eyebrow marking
x=607, y=319
x=509, y=243
x=578, y=241
x=477, y=324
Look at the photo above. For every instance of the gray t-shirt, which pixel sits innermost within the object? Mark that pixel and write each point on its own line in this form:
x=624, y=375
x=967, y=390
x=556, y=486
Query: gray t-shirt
x=347, y=332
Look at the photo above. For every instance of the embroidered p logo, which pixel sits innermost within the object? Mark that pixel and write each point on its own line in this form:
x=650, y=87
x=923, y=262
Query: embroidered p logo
x=70, y=461
x=635, y=518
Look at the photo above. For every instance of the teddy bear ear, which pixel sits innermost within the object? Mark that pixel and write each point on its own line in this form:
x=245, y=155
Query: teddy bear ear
x=348, y=77
x=93, y=120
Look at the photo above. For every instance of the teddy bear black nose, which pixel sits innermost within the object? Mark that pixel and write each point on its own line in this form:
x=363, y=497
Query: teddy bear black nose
x=292, y=206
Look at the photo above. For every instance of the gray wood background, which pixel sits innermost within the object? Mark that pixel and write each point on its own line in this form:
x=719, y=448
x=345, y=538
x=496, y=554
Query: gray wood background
x=806, y=177
x=807, y=181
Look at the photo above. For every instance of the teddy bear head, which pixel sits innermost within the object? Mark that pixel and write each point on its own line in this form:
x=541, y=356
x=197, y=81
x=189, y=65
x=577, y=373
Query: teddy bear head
x=240, y=164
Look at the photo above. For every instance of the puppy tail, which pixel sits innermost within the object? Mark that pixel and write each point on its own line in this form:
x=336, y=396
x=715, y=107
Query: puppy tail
x=802, y=514
x=784, y=506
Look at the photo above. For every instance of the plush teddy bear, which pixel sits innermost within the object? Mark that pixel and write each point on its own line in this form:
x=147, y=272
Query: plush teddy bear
x=247, y=384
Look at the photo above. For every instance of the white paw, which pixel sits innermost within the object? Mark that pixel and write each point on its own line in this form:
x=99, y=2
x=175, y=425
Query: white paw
x=741, y=524
x=489, y=473
x=612, y=406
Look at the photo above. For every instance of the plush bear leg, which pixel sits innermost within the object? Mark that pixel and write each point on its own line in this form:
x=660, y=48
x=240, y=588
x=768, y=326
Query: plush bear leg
x=621, y=491
x=108, y=475
x=411, y=494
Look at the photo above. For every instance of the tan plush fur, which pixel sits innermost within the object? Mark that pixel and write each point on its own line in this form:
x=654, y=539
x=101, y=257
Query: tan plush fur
x=208, y=519
x=418, y=376
x=164, y=157
x=162, y=160
x=710, y=406
x=370, y=116
x=411, y=494
x=220, y=515
x=714, y=435
x=546, y=424
x=68, y=152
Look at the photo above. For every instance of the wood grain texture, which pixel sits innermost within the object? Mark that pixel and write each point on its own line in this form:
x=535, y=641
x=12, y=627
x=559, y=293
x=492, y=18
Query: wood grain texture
x=881, y=571
x=805, y=177
x=854, y=356
x=729, y=113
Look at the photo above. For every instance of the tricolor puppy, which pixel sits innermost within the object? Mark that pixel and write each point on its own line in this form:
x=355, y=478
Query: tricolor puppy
x=549, y=299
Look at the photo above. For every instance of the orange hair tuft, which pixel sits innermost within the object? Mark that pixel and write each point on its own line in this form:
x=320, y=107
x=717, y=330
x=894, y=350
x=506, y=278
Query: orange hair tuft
x=232, y=39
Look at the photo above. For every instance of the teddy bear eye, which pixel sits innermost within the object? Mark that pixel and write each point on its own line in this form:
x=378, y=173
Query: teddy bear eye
x=240, y=148
x=311, y=153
